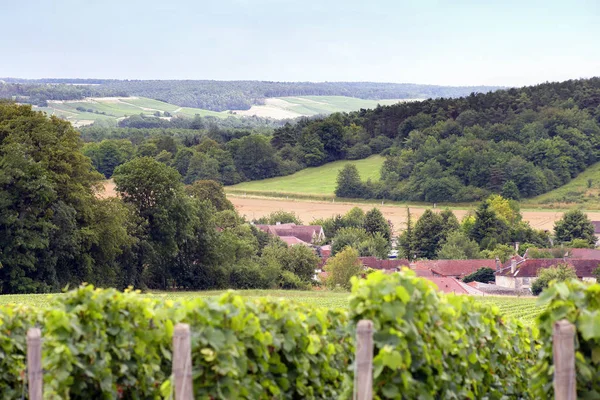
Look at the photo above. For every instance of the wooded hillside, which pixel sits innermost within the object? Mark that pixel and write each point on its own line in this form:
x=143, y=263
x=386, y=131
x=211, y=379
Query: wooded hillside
x=218, y=95
x=519, y=141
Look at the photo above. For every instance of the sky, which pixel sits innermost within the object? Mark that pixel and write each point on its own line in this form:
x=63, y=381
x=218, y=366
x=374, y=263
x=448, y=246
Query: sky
x=460, y=42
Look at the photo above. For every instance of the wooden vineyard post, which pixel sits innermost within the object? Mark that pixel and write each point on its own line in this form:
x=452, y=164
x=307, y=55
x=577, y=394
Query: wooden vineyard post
x=34, y=363
x=563, y=348
x=363, y=376
x=182, y=362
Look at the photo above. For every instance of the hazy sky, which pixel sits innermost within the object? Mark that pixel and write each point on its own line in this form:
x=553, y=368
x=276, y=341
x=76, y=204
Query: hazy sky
x=439, y=42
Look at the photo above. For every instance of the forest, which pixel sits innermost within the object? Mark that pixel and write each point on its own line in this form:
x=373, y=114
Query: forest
x=519, y=143
x=217, y=95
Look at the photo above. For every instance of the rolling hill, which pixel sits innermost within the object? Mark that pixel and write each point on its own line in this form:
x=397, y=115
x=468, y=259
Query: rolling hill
x=111, y=109
x=310, y=181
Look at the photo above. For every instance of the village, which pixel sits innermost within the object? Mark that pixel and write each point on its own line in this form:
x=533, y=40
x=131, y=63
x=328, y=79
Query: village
x=512, y=278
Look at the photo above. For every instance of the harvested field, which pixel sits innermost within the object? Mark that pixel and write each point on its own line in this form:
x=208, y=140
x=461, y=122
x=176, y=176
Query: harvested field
x=256, y=207
x=309, y=210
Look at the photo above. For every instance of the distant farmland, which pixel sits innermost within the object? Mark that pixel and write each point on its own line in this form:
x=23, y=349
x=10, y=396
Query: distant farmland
x=111, y=109
x=297, y=106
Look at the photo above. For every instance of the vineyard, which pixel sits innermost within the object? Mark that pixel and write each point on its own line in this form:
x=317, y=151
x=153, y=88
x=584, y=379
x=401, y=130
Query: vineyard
x=524, y=309
x=101, y=343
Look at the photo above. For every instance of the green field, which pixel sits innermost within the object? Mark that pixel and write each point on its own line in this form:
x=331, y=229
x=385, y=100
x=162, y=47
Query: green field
x=111, y=110
x=523, y=308
x=317, y=180
x=313, y=105
x=574, y=192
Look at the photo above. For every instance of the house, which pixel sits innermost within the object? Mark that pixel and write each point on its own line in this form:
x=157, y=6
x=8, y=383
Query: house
x=293, y=240
x=310, y=234
x=386, y=265
x=522, y=274
x=597, y=231
x=452, y=268
x=589, y=254
x=453, y=285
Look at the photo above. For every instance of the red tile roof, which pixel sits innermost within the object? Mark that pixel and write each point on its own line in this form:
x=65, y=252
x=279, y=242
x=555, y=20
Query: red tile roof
x=448, y=285
x=456, y=268
x=293, y=240
x=305, y=233
x=376, y=263
x=589, y=254
x=529, y=268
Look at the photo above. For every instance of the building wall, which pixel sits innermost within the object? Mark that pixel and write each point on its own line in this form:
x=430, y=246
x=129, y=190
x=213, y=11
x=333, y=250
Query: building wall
x=505, y=281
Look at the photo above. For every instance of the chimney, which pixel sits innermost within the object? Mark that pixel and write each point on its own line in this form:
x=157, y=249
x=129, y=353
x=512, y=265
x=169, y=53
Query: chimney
x=498, y=264
x=513, y=265
x=517, y=247
x=277, y=223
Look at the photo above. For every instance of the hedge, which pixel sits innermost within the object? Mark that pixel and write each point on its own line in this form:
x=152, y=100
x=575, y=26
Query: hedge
x=431, y=346
x=112, y=345
x=108, y=344
x=579, y=303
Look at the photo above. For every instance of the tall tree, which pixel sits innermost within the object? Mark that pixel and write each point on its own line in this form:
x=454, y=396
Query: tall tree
x=428, y=235
x=407, y=238
x=574, y=224
x=47, y=202
x=375, y=222
x=348, y=182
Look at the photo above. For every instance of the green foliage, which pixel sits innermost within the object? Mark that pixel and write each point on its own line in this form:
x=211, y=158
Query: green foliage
x=298, y=259
x=14, y=322
x=341, y=268
x=106, y=344
x=579, y=303
x=375, y=222
x=574, y=224
x=559, y=273
x=211, y=191
x=280, y=216
x=488, y=228
x=429, y=345
x=348, y=182
x=359, y=239
x=51, y=223
x=457, y=246
x=484, y=275
x=501, y=251
x=428, y=235
x=580, y=244
x=510, y=191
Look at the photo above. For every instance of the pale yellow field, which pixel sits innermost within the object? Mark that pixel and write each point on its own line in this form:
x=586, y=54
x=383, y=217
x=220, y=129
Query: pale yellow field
x=255, y=207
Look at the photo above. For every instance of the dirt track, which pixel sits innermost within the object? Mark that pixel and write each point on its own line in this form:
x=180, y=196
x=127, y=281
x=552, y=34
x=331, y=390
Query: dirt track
x=307, y=211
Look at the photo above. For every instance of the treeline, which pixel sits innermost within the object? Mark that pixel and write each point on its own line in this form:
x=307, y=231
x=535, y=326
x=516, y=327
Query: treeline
x=39, y=94
x=160, y=234
x=490, y=231
x=219, y=95
x=228, y=156
x=519, y=142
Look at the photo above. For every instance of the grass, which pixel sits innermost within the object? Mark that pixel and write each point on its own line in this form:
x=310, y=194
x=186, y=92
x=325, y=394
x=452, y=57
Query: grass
x=116, y=109
x=523, y=308
x=316, y=181
x=313, y=105
x=572, y=193
x=125, y=106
